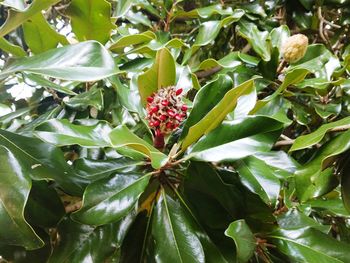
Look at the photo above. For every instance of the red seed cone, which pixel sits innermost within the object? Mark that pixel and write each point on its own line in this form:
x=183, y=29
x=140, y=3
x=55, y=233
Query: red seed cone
x=165, y=112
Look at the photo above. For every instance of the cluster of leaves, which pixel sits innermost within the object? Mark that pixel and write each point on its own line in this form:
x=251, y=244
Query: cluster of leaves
x=256, y=173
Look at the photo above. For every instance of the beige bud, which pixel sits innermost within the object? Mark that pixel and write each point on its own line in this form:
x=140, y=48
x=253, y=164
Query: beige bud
x=295, y=47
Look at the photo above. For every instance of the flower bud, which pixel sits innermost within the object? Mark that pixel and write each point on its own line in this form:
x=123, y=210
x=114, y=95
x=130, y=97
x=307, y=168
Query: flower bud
x=294, y=48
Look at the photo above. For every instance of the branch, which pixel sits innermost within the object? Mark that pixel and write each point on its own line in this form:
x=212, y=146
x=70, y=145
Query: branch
x=208, y=72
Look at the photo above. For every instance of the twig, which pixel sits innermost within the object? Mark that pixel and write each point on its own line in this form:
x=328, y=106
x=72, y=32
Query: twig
x=208, y=72
x=73, y=207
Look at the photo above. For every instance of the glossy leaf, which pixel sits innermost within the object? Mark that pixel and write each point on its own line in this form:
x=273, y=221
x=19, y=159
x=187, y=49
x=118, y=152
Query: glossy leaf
x=62, y=133
x=217, y=114
x=42, y=161
x=79, y=243
x=93, y=98
x=244, y=239
x=109, y=200
x=260, y=178
x=175, y=241
x=88, y=25
x=16, y=17
x=209, y=30
x=313, y=179
x=122, y=7
x=122, y=136
x=98, y=169
x=318, y=60
x=15, y=185
x=234, y=140
x=40, y=36
x=161, y=74
x=87, y=61
x=10, y=48
x=310, y=245
x=44, y=200
x=315, y=137
x=130, y=40
x=259, y=40
x=294, y=220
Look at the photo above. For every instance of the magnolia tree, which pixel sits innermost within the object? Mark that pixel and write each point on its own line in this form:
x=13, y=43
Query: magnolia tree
x=174, y=131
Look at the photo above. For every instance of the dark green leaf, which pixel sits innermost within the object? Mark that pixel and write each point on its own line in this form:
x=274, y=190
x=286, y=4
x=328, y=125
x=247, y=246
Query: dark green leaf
x=42, y=160
x=175, y=240
x=110, y=199
x=62, y=132
x=244, y=239
x=15, y=185
x=87, y=61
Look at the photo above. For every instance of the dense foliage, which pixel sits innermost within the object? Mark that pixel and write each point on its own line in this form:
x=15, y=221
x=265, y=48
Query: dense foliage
x=174, y=131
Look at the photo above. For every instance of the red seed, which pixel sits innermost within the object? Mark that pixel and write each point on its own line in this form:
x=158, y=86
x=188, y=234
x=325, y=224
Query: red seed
x=150, y=99
x=184, y=107
x=178, y=117
x=169, y=125
x=163, y=117
x=151, y=123
x=179, y=91
x=154, y=109
x=165, y=103
x=156, y=123
x=171, y=113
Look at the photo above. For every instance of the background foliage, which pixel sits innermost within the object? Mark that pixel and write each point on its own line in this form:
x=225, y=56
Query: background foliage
x=257, y=173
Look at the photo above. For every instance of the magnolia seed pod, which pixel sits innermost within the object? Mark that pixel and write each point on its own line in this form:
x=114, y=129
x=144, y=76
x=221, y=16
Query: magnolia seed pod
x=294, y=48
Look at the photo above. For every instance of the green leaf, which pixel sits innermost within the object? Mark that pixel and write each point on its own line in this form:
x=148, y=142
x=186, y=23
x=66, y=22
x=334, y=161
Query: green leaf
x=16, y=17
x=230, y=61
x=203, y=178
x=79, y=243
x=93, y=98
x=345, y=182
x=315, y=137
x=310, y=245
x=10, y=48
x=42, y=161
x=40, y=36
x=244, y=239
x=15, y=185
x=294, y=220
x=62, y=133
x=98, y=169
x=175, y=240
x=131, y=40
x=205, y=12
x=234, y=140
x=121, y=136
x=259, y=40
x=318, y=60
x=313, y=179
x=122, y=7
x=91, y=20
x=161, y=74
x=279, y=35
x=44, y=200
x=292, y=77
x=87, y=61
x=217, y=114
x=260, y=178
x=109, y=200
x=43, y=82
x=209, y=30
x=329, y=206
